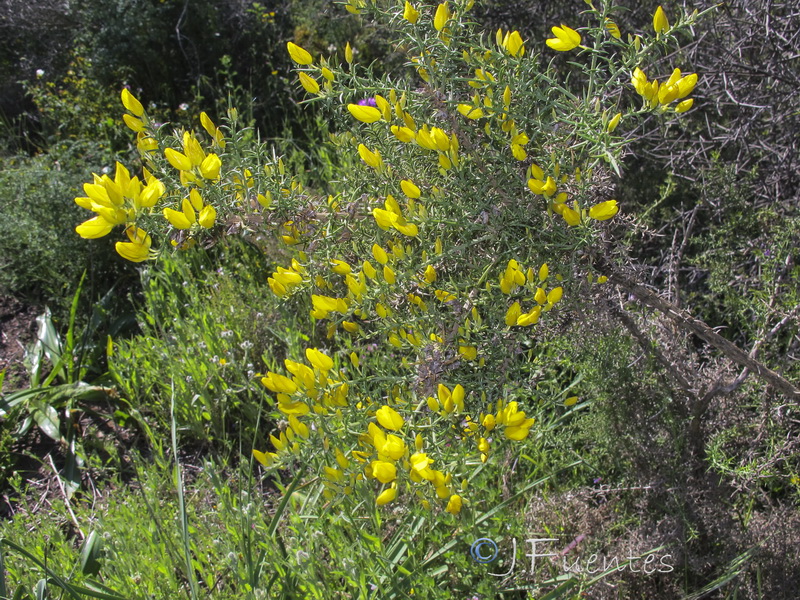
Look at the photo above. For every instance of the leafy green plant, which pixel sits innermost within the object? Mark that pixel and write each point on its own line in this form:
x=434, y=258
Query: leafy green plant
x=206, y=329
x=37, y=231
x=443, y=313
x=57, y=369
x=435, y=272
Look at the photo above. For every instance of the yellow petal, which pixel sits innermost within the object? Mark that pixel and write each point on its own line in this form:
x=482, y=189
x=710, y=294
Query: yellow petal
x=130, y=102
x=410, y=13
x=177, y=219
x=566, y=39
x=298, y=54
x=660, y=22
x=309, y=83
x=178, y=160
x=604, y=210
x=386, y=496
x=441, y=17
x=133, y=123
x=365, y=114
x=94, y=228
x=207, y=216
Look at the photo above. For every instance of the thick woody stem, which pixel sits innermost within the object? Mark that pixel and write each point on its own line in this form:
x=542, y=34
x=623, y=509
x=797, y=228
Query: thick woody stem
x=704, y=332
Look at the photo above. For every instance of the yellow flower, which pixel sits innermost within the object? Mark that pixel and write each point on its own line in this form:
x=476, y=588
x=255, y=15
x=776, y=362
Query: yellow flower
x=299, y=428
x=130, y=102
x=389, y=275
x=309, y=83
x=298, y=55
x=392, y=447
x=340, y=267
x=265, y=458
x=686, y=85
x=555, y=295
x=684, y=106
x=380, y=254
x=571, y=216
x=530, y=318
x=544, y=271
x=386, y=496
x=389, y=418
x=660, y=22
x=365, y=114
x=566, y=39
x=384, y=218
x=454, y=504
x=373, y=159
x=430, y=274
x=613, y=122
x=210, y=166
x=420, y=465
x=279, y=384
x=94, y=228
x=410, y=189
x=513, y=314
x=468, y=352
x=442, y=16
x=512, y=42
x=178, y=160
x=546, y=187
x=134, y=124
x=138, y=249
x=604, y=210
x=207, y=216
x=404, y=134
x=208, y=124
x=177, y=218
x=410, y=13
x=319, y=359
x=383, y=471
x=613, y=29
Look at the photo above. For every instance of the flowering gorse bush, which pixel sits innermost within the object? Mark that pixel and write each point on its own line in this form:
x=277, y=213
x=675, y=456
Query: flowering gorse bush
x=480, y=184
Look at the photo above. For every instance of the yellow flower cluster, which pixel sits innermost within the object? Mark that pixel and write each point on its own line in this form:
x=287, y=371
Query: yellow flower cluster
x=193, y=163
x=566, y=39
x=511, y=42
x=545, y=185
x=283, y=281
x=193, y=210
x=514, y=277
x=390, y=287
x=485, y=105
x=303, y=58
x=515, y=424
x=316, y=391
x=118, y=201
x=124, y=199
x=678, y=86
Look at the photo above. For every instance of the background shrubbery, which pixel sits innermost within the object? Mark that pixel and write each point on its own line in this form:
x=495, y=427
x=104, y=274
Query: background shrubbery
x=673, y=447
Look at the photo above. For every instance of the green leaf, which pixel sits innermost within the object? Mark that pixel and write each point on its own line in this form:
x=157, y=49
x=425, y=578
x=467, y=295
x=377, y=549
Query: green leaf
x=46, y=418
x=47, y=337
x=40, y=591
x=90, y=554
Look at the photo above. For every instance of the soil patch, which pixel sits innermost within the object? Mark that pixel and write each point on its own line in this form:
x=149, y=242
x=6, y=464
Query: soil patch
x=17, y=330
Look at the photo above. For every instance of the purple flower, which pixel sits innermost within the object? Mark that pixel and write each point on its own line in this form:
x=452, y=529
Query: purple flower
x=367, y=102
